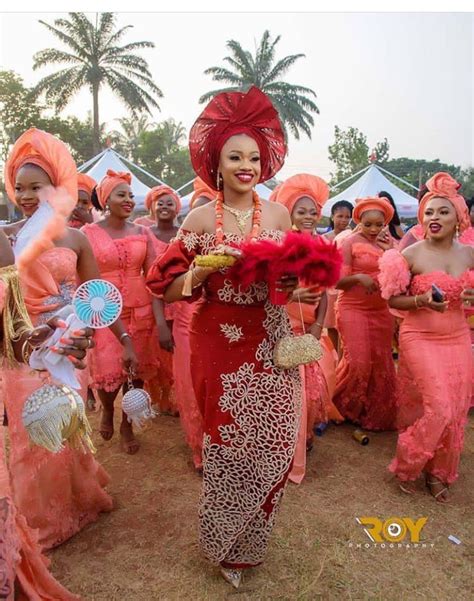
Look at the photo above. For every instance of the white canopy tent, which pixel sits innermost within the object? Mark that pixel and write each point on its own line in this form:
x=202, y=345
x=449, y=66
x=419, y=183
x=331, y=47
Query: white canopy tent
x=372, y=181
x=110, y=159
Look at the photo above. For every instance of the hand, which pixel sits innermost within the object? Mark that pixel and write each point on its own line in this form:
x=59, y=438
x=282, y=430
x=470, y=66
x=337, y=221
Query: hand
x=82, y=215
x=129, y=358
x=369, y=283
x=467, y=296
x=287, y=284
x=75, y=346
x=384, y=239
x=426, y=300
x=306, y=295
x=165, y=338
x=316, y=330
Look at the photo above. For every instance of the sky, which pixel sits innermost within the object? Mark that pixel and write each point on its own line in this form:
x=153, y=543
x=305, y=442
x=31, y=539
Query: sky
x=404, y=76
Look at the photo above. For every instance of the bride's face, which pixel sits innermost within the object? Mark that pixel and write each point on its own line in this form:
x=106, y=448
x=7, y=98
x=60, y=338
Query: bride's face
x=30, y=179
x=240, y=163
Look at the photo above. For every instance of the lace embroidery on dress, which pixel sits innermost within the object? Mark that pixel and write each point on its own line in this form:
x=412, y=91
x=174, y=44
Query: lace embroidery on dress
x=9, y=549
x=66, y=293
x=258, y=452
x=232, y=332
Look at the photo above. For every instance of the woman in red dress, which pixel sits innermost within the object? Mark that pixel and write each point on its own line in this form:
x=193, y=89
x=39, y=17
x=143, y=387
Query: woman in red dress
x=365, y=376
x=249, y=407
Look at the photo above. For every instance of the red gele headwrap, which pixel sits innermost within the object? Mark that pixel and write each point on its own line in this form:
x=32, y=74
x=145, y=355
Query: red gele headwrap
x=373, y=204
x=301, y=185
x=39, y=148
x=201, y=189
x=442, y=185
x=109, y=182
x=232, y=113
x=86, y=183
x=155, y=193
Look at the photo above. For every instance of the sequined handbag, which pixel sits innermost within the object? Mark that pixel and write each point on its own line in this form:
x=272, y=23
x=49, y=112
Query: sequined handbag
x=292, y=351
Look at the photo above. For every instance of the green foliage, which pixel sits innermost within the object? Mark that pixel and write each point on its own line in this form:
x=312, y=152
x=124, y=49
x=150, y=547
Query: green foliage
x=293, y=102
x=349, y=152
x=418, y=171
x=77, y=134
x=18, y=110
x=160, y=151
x=467, y=181
x=95, y=58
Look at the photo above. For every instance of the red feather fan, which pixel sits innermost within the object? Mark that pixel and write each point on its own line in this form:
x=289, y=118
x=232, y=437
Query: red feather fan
x=315, y=261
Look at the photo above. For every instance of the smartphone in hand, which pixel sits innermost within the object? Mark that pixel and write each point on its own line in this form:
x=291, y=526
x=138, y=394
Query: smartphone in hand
x=437, y=294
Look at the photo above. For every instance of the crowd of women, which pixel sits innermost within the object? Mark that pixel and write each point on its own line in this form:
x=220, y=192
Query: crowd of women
x=203, y=347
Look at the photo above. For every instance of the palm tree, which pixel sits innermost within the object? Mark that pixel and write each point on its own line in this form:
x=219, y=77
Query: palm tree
x=128, y=139
x=94, y=59
x=293, y=102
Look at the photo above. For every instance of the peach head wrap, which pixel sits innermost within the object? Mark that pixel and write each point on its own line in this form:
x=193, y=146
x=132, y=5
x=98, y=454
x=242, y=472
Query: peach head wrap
x=40, y=148
x=274, y=195
x=373, y=204
x=301, y=185
x=109, y=182
x=201, y=189
x=157, y=192
x=86, y=183
x=442, y=185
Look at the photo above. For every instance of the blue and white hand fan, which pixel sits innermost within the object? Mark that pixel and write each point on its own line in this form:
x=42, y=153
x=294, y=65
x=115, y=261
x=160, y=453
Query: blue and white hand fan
x=96, y=304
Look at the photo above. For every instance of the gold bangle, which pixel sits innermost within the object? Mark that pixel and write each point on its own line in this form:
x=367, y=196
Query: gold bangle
x=319, y=324
x=24, y=352
x=197, y=278
x=416, y=301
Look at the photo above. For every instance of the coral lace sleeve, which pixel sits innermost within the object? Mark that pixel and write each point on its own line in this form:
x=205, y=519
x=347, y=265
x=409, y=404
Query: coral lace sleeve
x=394, y=276
x=346, y=249
x=172, y=263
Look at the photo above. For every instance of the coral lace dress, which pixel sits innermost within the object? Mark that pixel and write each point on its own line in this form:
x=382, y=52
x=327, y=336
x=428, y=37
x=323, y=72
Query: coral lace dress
x=122, y=262
x=58, y=494
x=365, y=377
x=250, y=408
x=435, y=373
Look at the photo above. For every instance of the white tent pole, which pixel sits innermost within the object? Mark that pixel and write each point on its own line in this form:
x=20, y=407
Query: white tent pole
x=137, y=167
x=90, y=161
x=350, y=177
x=184, y=185
x=397, y=178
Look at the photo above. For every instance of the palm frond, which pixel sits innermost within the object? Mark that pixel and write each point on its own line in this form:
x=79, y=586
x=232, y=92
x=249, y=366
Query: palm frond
x=132, y=95
x=67, y=39
x=282, y=66
x=51, y=56
x=209, y=95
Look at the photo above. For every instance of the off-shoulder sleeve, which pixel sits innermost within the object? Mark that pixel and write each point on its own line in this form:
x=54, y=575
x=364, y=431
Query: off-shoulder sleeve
x=394, y=276
x=172, y=263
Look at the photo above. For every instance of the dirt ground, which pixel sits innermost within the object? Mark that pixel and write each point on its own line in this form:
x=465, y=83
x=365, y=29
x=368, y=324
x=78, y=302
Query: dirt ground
x=146, y=549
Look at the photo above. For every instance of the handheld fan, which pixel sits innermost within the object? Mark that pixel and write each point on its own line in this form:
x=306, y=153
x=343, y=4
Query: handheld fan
x=96, y=304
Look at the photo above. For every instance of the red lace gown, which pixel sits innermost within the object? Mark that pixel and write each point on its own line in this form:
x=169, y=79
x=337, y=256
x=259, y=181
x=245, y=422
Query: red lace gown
x=181, y=313
x=250, y=408
x=365, y=377
x=435, y=374
x=122, y=262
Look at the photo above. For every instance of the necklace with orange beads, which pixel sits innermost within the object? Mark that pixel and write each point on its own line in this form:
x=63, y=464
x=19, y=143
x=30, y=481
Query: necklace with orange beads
x=241, y=221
